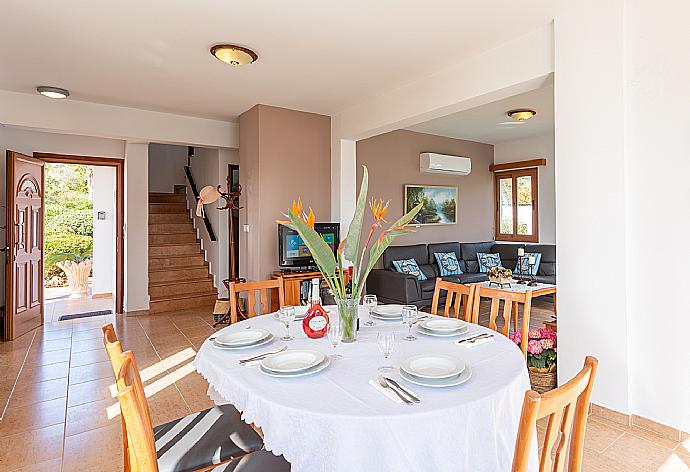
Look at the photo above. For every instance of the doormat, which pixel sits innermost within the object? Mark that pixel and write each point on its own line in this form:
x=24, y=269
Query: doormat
x=85, y=315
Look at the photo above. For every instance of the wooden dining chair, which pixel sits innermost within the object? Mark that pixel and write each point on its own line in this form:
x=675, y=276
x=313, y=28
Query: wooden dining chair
x=510, y=300
x=566, y=407
x=456, y=295
x=263, y=287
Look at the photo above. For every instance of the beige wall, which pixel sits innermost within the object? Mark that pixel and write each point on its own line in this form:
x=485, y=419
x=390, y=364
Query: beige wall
x=284, y=154
x=393, y=161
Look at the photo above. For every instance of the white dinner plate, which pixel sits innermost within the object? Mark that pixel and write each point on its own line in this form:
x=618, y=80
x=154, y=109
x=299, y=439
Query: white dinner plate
x=292, y=361
x=244, y=337
x=437, y=383
x=317, y=368
x=458, y=332
x=432, y=366
x=246, y=346
x=386, y=318
x=446, y=325
x=388, y=311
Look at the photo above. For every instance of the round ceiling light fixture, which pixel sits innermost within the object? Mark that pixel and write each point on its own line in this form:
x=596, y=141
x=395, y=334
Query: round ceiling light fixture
x=233, y=54
x=53, y=92
x=521, y=114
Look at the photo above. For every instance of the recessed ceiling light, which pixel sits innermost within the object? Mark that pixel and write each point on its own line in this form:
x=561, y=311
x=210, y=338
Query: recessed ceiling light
x=53, y=92
x=233, y=54
x=521, y=114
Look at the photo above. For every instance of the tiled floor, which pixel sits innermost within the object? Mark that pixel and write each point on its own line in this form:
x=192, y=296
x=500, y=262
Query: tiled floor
x=60, y=301
x=62, y=415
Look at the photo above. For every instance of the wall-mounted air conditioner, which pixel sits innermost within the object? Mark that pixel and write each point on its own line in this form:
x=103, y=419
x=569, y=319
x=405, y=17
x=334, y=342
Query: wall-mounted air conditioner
x=444, y=164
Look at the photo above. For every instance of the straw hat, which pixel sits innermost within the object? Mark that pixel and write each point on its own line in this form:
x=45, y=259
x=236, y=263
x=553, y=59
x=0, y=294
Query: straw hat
x=208, y=194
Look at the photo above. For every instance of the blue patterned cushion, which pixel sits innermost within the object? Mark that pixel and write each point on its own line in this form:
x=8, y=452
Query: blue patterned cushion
x=447, y=263
x=525, y=265
x=409, y=266
x=488, y=261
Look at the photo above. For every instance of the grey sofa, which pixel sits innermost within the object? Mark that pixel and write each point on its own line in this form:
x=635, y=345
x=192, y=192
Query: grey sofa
x=390, y=286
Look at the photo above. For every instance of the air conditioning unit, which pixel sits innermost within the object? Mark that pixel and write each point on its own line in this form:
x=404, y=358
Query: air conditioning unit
x=444, y=164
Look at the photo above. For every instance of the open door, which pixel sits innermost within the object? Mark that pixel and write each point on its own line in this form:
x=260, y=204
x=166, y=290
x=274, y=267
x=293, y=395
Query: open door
x=24, y=251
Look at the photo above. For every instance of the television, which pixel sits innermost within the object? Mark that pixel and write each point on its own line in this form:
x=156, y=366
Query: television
x=293, y=253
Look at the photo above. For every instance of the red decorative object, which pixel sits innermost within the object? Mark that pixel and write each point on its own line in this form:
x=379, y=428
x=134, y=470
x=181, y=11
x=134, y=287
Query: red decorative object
x=315, y=323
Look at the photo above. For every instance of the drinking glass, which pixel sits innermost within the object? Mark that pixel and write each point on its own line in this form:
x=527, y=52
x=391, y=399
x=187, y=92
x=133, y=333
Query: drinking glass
x=335, y=332
x=370, y=302
x=409, y=314
x=287, y=316
x=385, y=341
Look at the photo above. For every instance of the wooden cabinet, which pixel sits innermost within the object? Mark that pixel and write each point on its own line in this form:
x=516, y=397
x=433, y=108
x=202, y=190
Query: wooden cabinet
x=292, y=286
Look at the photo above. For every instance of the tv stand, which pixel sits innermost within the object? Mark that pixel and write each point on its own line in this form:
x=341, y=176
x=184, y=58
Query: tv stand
x=297, y=270
x=292, y=285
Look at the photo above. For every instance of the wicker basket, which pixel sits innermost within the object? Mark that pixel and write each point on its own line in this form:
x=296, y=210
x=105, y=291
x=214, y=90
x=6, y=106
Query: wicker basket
x=543, y=380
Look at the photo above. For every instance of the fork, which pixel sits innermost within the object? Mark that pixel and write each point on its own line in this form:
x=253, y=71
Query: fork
x=384, y=384
x=261, y=356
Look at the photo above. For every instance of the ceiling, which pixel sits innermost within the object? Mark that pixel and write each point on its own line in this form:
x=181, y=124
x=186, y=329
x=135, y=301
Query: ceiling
x=314, y=55
x=490, y=124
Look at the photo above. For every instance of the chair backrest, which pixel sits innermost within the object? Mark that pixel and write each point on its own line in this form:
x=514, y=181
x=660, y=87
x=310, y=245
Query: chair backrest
x=509, y=299
x=112, y=346
x=566, y=407
x=456, y=295
x=135, y=412
x=263, y=287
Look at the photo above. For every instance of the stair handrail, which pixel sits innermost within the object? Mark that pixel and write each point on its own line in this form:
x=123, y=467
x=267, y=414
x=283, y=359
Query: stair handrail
x=195, y=192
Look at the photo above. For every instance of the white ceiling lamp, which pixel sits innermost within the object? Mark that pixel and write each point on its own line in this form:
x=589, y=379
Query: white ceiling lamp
x=233, y=54
x=521, y=114
x=53, y=92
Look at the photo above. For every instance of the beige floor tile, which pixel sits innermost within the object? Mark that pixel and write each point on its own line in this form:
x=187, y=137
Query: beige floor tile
x=98, y=450
x=48, y=466
x=188, y=321
x=51, y=345
x=599, y=435
x=65, y=333
x=88, y=357
x=92, y=415
x=86, y=373
x=95, y=390
x=594, y=462
x=87, y=345
x=36, y=358
x=653, y=437
x=197, y=331
x=42, y=373
x=167, y=405
x=39, y=445
x=34, y=416
x=637, y=453
x=94, y=333
x=27, y=394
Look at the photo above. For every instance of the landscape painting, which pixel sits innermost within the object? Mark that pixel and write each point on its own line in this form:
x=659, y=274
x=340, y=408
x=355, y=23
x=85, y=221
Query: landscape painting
x=439, y=204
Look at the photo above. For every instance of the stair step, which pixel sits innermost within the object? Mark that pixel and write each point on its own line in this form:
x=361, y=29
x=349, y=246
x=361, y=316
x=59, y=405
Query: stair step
x=178, y=274
x=167, y=198
x=172, y=238
x=155, y=208
x=166, y=262
x=186, y=227
x=181, y=302
x=175, y=249
x=191, y=287
x=160, y=218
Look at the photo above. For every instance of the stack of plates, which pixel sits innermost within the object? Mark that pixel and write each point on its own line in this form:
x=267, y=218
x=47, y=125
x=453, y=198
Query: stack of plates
x=442, y=327
x=435, y=370
x=387, y=312
x=295, y=363
x=243, y=339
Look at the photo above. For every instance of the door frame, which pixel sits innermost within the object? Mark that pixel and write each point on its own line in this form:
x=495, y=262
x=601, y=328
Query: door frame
x=119, y=165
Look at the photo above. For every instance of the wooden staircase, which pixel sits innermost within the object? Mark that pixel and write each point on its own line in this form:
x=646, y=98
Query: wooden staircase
x=178, y=274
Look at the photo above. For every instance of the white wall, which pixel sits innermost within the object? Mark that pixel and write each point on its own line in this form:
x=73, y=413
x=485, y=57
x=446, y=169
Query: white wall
x=104, y=237
x=166, y=167
x=536, y=147
x=136, y=227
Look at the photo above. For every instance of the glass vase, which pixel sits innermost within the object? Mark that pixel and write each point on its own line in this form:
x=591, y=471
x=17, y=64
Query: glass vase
x=348, y=311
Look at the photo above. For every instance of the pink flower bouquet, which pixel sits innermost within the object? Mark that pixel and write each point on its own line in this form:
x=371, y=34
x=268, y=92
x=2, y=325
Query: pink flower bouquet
x=541, y=348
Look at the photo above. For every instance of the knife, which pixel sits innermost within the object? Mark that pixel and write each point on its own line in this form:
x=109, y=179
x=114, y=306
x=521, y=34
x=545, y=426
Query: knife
x=473, y=338
x=395, y=384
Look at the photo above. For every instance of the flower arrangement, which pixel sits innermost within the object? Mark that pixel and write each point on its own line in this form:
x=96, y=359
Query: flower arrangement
x=541, y=349
x=350, y=250
x=500, y=275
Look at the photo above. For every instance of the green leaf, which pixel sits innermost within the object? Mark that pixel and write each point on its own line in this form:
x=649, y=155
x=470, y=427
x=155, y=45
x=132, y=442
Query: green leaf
x=351, y=245
x=320, y=251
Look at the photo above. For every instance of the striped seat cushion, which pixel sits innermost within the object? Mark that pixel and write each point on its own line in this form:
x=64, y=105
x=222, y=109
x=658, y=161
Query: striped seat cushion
x=203, y=439
x=260, y=461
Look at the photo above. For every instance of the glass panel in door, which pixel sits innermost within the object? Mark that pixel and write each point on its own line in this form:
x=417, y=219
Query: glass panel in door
x=505, y=188
x=524, y=205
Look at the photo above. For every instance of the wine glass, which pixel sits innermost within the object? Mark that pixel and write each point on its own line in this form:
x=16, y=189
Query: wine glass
x=370, y=302
x=409, y=314
x=335, y=332
x=287, y=316
x=386, y=341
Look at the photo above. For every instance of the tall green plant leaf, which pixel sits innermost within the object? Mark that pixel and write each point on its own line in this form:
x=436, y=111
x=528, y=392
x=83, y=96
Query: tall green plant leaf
x=320, y=251
x=351, y=246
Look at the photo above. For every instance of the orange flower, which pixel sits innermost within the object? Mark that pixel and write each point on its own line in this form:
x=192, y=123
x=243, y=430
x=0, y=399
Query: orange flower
x=379, y=209
x=311, y=219
x=297, y=207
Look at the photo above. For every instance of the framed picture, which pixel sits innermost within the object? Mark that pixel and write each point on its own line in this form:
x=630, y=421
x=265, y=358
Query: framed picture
x=440, y=204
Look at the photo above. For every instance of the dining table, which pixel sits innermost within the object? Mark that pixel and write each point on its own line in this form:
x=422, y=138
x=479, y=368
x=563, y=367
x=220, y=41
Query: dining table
x=336, y=420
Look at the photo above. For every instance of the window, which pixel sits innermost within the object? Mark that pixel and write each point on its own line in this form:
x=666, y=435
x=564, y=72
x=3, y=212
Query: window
x=517, y=216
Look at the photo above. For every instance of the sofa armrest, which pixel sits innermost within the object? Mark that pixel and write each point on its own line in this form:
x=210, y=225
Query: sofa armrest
x=393, y=285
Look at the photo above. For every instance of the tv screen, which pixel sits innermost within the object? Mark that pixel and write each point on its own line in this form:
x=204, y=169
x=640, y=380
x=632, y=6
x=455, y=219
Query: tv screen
x=292, y=252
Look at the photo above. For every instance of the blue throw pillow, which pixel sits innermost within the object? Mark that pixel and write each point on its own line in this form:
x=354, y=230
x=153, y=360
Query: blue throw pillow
x=488, y=261
x=447, y=263
x=410, y=267
x=525, y=265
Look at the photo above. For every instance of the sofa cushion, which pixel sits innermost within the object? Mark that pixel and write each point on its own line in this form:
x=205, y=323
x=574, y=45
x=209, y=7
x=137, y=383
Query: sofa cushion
x=488, y=261
x=409, y=267
x=448, y=263
x=445, y=247
x=547, y=265
x=418, y=252
x=467, y=278
x=545, y=279
x=508, y=253
x=469, y=254
x=525, y=269
x=431, y=271
x=427, y=285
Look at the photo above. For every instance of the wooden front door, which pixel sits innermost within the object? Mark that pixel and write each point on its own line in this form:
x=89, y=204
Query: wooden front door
x=24, y=267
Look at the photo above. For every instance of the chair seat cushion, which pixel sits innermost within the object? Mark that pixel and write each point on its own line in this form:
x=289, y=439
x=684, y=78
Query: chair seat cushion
x=204, y=439
x=260, y=461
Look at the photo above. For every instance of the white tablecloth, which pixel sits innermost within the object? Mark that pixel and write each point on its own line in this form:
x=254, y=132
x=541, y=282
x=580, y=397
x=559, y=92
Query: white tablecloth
x=335, y=421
